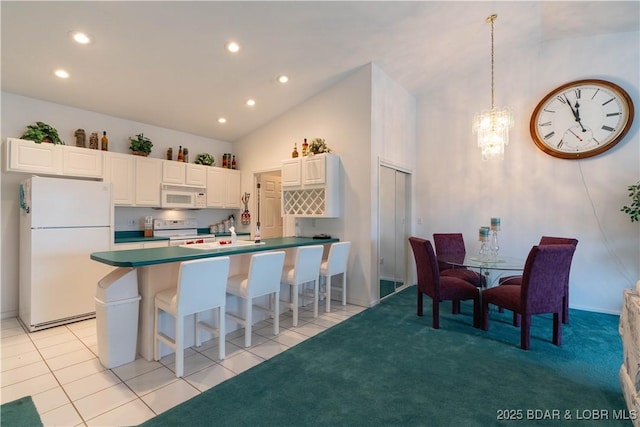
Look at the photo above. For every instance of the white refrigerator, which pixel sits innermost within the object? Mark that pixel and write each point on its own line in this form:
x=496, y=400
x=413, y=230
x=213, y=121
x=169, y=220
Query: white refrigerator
x=62, y=221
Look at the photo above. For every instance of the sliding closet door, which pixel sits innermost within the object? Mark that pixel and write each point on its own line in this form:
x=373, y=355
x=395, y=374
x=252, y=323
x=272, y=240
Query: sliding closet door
x=393, y=230
x=402, y=236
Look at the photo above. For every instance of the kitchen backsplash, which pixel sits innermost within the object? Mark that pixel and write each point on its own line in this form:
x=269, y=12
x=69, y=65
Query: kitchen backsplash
x=132, y=219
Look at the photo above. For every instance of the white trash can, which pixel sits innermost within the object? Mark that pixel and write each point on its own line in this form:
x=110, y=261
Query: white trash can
x=117, y=306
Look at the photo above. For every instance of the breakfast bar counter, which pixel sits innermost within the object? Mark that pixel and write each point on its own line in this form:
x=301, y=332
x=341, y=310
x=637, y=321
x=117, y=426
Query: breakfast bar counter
x=151, y=256
x=157, y=269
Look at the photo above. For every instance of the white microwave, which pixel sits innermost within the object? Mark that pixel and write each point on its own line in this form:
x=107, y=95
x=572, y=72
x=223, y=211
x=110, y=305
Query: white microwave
x=182, y=196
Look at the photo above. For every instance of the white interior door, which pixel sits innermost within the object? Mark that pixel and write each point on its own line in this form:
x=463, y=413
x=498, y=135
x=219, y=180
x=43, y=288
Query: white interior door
x=270, y=201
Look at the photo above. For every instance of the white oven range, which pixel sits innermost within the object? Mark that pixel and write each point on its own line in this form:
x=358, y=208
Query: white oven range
x=180, y=231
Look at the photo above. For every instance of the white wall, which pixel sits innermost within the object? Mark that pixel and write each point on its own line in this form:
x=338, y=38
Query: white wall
x=341, y=115
x=18, y=112
x=393, y=143
x=533, y=193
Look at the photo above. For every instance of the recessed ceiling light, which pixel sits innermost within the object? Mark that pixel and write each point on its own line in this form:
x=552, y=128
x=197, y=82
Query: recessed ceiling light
x=251, y=102
x=80, y=37
x=283, y=79
x=61, y=73
x=222, y=120
x=233, y=47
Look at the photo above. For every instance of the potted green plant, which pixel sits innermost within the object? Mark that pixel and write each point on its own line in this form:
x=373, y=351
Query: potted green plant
x=42, y=132
x=634, y=209
x=318, y=146
x=205, y=159
x=140, y=145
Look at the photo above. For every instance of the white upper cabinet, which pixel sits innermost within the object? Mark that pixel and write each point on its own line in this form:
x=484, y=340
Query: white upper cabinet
x=184, y=173
x=118, y=170
x=173, y=172
x=78, y=161
x=314, y=168
x=148, y=177
x=196, y=174
x=232, y=196
x=309, y=170
x=223, y=188
x=311, y=186
x=52, y=159
x=291, y=173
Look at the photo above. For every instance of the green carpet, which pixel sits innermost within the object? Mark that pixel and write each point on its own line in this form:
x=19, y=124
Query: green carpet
x=20, y=413
x=388, y=367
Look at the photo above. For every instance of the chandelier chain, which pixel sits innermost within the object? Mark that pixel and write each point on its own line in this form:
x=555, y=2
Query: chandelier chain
x=492, y=19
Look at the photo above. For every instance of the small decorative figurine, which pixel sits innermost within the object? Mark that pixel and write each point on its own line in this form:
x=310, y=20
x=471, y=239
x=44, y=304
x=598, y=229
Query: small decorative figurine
x=93, y=141
x=245, y=217
x=81, y=138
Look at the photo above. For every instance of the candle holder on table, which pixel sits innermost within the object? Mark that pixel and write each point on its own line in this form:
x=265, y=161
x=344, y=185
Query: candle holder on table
x=494, y=247
x=483, y=238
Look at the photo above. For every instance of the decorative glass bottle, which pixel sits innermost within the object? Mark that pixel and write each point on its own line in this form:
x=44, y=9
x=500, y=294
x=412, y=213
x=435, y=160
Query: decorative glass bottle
x=105, y=141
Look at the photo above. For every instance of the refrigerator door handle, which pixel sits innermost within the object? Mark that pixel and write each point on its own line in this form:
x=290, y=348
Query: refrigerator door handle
x=24, y=199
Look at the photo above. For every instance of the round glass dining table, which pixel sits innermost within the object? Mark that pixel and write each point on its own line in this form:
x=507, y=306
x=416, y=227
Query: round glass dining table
x=500, y=264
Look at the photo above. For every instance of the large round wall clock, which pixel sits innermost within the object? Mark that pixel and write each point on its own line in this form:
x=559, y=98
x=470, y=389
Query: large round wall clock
x=581, y=119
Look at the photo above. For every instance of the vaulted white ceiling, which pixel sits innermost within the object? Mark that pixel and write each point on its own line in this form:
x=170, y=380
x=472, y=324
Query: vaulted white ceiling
x=164, y=63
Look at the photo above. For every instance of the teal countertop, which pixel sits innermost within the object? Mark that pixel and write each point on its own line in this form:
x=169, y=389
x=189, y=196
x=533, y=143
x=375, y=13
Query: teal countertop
x=152, y=256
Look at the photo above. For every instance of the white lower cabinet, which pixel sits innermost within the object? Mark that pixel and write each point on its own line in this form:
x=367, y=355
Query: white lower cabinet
x=126, y=246
x=223, y=188
x=140, y=245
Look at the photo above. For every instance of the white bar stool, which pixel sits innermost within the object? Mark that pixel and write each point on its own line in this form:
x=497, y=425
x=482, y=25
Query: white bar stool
x=263, y=279
x=305, y=270
x=201, y=286
x=335, y=264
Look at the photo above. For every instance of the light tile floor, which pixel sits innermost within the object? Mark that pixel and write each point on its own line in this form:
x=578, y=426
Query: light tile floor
x=60, y=369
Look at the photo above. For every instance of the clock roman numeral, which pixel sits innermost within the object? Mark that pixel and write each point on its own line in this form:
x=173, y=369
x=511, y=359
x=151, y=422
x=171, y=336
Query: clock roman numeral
x=613, y=114
x=607, y=128
x=549, y=135
x=548, y=111
x=544, y=124
x=595, y=93
x=608, y=101
x=578, y=91
x=561, y=99
x=560, y=144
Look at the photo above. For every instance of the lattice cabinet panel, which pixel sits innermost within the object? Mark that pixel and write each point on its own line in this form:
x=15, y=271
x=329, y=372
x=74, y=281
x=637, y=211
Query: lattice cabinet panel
x=304, y=202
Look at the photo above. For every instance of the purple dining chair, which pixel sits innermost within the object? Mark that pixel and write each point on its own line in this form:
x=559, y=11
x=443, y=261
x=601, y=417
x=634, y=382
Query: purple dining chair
x=440, y=288
x=451, y=246
x=517, y=280
x=542, y=290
